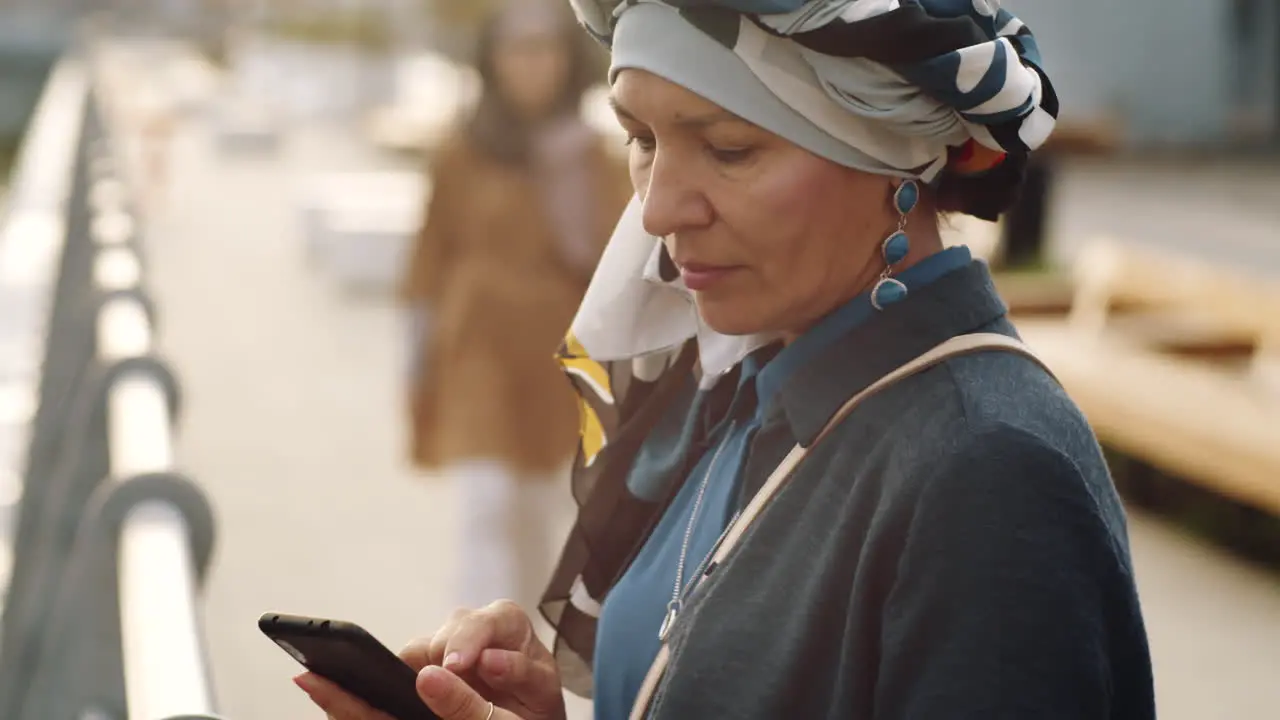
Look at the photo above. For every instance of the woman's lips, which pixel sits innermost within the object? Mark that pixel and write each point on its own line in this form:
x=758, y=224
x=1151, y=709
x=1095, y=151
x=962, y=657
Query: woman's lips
x=701, y=277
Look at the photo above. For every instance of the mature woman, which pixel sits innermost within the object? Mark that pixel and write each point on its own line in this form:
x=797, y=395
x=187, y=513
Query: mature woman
x=525, y=194
x=842, y=488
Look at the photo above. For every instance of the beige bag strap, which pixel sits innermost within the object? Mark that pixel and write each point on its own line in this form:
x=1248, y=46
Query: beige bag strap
x=959, y=345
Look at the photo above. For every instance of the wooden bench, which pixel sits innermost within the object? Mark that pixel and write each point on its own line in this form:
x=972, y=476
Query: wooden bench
x=1175, y=363
x=1176, y=303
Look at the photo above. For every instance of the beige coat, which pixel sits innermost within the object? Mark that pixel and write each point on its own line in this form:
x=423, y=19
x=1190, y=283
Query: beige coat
x=487, y=267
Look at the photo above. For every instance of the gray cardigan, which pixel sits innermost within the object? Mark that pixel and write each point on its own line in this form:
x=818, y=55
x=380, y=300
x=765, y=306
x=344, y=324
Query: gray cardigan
x=955, y=549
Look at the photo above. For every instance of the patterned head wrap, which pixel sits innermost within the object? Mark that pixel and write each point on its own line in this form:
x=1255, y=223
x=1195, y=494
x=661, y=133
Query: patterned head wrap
x=938, y=90
x=960, y=78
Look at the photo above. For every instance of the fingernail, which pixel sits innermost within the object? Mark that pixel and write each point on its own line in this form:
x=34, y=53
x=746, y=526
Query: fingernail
x=432, y=680
x=304, y=682
x=452, y=660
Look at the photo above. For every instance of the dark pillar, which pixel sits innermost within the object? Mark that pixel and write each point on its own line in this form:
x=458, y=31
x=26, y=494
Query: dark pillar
x=1026, y=223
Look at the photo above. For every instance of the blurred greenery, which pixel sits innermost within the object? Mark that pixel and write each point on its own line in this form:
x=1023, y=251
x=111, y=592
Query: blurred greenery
x=22, y=79
x=1038, y=265
x=460, y=14
x=361, y=29
x=8, y=151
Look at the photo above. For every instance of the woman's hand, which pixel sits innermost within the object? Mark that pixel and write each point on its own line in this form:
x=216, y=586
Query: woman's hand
x=478, y=657
x=445, y=693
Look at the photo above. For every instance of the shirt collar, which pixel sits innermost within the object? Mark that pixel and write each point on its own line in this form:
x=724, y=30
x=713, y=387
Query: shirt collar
x=950, y=294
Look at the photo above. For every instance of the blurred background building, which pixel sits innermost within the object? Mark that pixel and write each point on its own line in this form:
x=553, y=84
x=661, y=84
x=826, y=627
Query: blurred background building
x=1165, y=73
x=1171, y=72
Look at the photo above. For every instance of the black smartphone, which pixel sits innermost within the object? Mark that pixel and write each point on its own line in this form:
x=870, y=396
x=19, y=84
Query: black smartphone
x=349, y=657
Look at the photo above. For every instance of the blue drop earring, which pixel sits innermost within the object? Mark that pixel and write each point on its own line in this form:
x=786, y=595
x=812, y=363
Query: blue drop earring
x=888, y=289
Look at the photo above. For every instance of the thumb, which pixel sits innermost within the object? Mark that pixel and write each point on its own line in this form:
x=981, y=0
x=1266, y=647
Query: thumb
x=450, y=697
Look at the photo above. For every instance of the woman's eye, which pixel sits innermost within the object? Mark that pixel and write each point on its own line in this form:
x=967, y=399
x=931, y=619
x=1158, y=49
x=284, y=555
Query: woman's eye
x=730, y=156
x=644, y=143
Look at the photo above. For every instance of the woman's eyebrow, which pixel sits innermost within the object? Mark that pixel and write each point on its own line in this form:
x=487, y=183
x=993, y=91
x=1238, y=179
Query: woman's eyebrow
x=698, y=121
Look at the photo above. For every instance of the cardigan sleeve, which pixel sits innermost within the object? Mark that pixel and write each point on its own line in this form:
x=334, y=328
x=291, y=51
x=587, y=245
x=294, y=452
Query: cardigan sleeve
x=1013, y=596
x=429, y=256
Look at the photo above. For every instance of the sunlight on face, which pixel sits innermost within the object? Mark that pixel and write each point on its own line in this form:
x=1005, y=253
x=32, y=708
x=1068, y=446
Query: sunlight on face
x=769, y=236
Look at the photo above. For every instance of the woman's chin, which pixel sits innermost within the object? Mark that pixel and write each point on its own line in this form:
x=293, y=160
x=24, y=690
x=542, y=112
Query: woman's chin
x=727, y=317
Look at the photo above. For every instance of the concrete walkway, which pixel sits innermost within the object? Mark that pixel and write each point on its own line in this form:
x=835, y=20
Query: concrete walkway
x=292, y=423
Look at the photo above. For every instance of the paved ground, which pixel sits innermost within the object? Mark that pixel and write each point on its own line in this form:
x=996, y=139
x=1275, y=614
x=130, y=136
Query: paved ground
x=293, y=425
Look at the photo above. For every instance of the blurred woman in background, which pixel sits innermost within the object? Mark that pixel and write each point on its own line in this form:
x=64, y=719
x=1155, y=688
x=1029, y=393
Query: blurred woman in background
x=525, y=197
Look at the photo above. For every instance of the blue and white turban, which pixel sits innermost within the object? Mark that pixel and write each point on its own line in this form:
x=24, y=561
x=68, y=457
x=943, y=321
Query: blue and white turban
x=897, y=87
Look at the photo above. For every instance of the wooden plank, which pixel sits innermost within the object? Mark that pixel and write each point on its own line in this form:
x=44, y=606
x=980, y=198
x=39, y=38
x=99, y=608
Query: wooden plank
x=1189, y=334
x=1174, y=361
x=1153, y=276
x=1204, y=424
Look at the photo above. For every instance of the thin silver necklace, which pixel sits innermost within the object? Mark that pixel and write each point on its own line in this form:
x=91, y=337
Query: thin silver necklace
x=677, y=592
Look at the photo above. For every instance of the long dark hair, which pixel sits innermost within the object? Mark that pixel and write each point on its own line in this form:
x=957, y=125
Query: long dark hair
x=495, y=127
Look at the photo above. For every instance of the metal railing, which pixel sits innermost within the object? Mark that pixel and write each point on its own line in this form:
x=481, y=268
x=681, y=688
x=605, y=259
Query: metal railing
x=111, y=545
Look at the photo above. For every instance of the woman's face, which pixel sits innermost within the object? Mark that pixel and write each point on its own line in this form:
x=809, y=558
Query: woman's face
x=768, y=236
x=531, y=69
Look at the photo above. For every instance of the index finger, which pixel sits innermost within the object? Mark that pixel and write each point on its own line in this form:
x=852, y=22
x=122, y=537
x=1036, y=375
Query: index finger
x=500, y=626
x=430, y=651
x=422, y=652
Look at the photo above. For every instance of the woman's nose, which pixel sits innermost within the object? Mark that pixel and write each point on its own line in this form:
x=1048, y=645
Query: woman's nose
x=673, y=201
